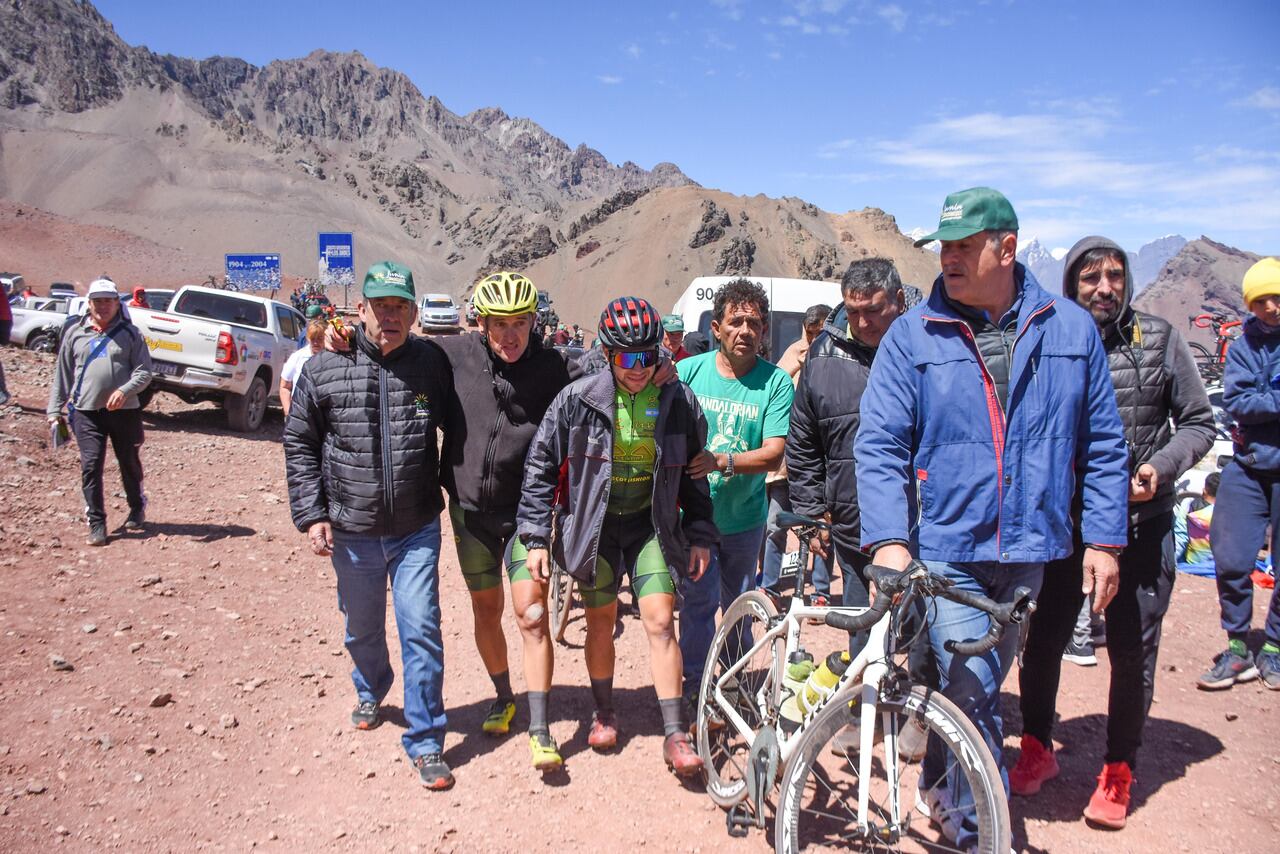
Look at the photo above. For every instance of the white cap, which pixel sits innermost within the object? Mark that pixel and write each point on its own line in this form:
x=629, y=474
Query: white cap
x=102, y=288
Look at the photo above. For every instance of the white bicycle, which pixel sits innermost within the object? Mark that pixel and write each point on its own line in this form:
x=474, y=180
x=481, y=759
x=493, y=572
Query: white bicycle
x=852, y=752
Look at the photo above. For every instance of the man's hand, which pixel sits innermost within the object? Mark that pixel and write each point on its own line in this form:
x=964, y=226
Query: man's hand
x=321, y=536
x=335, y=341
x=665, y=373
x=699, y=560
x=116, y=400
x=1101, y=578
x=538, y=562
x=820, y=543
x=705, y=463
x=1142, y=486
x=892, y=556
x=54, y=419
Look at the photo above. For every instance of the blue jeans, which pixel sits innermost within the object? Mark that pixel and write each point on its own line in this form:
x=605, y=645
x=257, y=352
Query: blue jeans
x=732, y=572
x=973, y=682
x=363, y=564
x=1247, y=503
x=775, y=544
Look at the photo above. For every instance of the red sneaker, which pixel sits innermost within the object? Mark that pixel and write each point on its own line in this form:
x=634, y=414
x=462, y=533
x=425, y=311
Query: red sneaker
x=604, y=731
x=1109, y=805
x=1036, y=766
x=680, y=756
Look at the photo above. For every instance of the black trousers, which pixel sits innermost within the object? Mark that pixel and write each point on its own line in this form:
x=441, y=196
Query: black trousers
x=1133, y=636
x=92, y=430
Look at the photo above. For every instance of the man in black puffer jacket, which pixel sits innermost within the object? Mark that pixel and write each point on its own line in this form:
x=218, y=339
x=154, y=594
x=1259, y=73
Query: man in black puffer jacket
x=825, y=412
x=1168, y=426
x=363, y=469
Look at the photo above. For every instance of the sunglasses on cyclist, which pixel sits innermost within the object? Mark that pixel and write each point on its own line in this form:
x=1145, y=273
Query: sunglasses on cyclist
x=628, y=361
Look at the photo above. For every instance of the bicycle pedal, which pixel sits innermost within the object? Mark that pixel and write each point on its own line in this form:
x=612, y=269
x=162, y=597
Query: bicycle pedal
x=738, y=821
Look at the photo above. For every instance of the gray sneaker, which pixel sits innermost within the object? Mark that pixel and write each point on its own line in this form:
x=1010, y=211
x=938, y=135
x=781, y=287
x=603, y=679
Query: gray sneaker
x=365, y=715
x=1080, y=653
x=1269, y=669
x=1227, y=670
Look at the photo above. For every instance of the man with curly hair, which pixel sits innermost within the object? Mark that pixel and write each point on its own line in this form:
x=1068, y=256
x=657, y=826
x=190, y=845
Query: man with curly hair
x=747, y=403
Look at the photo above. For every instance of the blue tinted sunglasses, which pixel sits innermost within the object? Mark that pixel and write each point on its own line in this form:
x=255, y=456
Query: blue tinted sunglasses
x=628, y=361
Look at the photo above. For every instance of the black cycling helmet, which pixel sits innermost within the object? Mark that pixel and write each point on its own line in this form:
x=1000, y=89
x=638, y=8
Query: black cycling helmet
x=630, y=323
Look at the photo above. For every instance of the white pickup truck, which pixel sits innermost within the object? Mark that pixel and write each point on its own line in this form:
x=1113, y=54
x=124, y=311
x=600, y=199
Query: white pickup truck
x=221, y=345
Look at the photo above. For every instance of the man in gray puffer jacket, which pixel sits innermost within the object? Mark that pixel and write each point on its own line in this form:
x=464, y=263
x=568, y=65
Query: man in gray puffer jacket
x=363, y=468
x=1168, y=426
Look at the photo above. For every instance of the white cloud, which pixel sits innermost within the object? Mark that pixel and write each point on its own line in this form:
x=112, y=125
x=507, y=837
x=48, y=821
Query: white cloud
x=893, y=15
x=609, y=79
x=732, y=9
x=633, y=50
x=1266, y=98
x=775, y=55
x=810, y=29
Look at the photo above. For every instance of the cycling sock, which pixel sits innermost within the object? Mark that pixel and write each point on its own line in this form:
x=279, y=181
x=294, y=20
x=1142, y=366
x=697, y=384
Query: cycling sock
x=602, y=691
x=502, y=683
x=1237, y=646
x=672, y=715
x=1271, y=646
x=538, y=713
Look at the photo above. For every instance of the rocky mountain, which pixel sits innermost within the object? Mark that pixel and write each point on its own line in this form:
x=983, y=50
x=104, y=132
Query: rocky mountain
x=1204, y=276
x=1044, y=263
x=1151, y=258
x=197, y=158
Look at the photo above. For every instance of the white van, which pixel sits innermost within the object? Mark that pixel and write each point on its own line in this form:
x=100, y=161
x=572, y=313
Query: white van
x=789, y=299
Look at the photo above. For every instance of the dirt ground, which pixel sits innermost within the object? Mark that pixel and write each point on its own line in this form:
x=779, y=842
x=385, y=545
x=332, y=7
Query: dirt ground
x=208, y=703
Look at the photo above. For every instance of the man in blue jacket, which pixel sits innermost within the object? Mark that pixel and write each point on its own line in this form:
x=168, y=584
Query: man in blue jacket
x=984, y=405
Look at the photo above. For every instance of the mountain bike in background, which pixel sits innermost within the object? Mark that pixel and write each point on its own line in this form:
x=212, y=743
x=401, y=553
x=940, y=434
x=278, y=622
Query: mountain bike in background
x=1210, y=364
x=850, y=734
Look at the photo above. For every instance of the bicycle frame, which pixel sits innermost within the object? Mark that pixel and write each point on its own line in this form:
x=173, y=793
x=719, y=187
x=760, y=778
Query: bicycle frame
x=868, y=670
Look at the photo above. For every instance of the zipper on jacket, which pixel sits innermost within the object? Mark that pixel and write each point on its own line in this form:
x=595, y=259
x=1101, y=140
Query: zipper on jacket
x=486, y=473
x=384, y=432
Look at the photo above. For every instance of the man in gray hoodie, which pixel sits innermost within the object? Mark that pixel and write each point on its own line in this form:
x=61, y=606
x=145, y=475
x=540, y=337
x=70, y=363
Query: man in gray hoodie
x=103, y=362
x=1168, y=426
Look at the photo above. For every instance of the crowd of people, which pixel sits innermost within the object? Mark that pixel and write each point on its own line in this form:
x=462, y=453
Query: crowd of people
x=1009, y=438
x=1004, y=436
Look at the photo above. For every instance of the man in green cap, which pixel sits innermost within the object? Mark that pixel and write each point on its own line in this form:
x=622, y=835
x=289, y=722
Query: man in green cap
x=673, y=337
x=363, y=470
x=988, y=409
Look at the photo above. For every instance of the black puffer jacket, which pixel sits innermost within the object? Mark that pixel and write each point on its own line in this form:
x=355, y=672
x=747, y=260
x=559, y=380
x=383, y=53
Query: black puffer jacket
x=1167, y=419
x=825, y=416
x=360, y=442
x=497, y=409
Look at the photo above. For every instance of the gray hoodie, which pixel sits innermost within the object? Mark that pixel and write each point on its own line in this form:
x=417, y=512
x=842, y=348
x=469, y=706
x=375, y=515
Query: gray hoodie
x=1155, y=379
x=122, y=363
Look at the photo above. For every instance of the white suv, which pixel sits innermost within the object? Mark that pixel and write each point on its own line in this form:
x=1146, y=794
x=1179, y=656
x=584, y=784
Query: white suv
x=438, y=312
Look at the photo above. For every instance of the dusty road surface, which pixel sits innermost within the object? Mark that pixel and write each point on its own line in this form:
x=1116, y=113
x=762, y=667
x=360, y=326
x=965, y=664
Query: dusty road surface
x=208, y=703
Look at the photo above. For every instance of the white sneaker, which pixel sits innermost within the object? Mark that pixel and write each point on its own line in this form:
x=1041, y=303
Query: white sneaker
x=935, y=805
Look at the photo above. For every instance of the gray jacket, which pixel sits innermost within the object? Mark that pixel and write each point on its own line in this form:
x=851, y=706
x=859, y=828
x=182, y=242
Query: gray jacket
x=570, y=463
x=1168, y=421
x=124, y=364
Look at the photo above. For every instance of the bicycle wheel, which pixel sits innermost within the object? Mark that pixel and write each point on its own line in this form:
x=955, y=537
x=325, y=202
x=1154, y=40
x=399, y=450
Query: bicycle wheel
x=818, y=803
x=1207, y=364
x=754, y=693
x=561, y=602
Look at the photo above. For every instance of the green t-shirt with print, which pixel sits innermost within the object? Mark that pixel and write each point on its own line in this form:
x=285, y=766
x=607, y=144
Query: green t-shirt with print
x=634, y=451
x=741, y=413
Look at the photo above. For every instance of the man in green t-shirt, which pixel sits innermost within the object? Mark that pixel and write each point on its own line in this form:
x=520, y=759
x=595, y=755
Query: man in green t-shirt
x=747, y=403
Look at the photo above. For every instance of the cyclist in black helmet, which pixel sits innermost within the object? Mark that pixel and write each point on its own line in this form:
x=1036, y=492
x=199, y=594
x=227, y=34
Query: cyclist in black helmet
x=624, y=445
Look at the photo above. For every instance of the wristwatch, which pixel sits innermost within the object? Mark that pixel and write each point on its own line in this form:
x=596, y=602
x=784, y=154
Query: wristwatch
x=531, y=542
x=728, y=464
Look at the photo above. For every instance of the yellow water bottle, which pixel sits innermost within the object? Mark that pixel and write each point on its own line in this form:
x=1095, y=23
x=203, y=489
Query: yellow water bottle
x=799, y=668
x=822, y=682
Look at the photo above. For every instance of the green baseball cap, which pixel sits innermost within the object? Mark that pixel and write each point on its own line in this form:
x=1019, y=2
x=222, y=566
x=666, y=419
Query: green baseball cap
x=673, y=323
x=314, y=311
x=388, y=279
x=970, y=211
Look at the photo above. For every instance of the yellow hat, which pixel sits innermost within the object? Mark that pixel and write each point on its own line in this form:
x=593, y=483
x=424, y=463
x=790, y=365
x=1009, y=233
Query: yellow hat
x=1262, y=280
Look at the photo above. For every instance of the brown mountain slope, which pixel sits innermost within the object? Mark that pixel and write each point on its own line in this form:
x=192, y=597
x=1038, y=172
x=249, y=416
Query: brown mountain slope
x=203, y=157
x=1203, y=277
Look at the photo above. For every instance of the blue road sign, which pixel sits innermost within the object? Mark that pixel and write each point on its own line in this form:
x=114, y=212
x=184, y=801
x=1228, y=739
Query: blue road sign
x=256, y=272
x=337, y=258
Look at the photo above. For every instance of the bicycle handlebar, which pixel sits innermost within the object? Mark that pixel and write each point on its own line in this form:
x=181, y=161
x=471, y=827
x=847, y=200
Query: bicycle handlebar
x=889, y=583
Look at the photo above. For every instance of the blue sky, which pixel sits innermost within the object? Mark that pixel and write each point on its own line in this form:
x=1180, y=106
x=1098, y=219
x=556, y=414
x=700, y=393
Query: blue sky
x=1133, y=119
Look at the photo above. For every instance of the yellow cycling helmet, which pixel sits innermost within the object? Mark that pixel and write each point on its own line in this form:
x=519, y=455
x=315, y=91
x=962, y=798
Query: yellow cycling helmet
x=505, y=295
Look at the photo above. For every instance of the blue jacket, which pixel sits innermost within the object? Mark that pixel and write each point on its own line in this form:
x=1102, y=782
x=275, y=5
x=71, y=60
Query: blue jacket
x=942, y=466
x=1251, y=393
